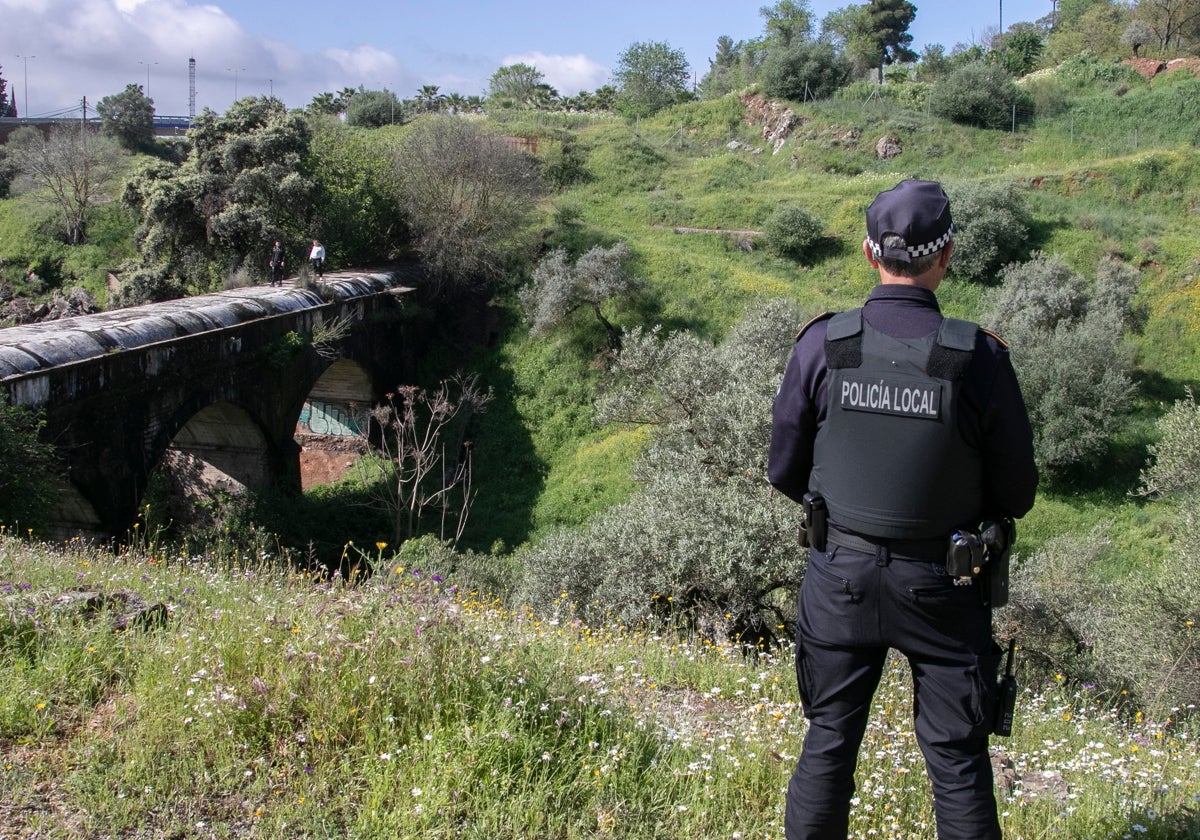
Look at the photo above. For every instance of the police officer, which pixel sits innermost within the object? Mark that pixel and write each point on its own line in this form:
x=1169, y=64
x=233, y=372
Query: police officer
x=909, y=426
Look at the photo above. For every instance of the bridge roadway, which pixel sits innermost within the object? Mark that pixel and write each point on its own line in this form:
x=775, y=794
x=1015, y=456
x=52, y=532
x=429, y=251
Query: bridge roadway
x=214, y=383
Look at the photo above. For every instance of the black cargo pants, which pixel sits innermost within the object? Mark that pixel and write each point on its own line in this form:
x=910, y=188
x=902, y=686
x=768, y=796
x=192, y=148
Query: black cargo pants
x=854, y=606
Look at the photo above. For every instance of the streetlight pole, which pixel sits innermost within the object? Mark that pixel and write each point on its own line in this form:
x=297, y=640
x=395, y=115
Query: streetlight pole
x=26, y=59
x=147, y=63
x=235, y=72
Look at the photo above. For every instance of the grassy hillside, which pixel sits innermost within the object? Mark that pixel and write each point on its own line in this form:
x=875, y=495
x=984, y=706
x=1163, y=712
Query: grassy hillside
x=1090, y=190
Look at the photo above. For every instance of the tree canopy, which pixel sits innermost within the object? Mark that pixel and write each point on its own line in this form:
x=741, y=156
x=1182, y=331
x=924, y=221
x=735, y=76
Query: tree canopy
x=67, y=167
x=650, y=76
x=464, y=192
x=517, y=85
x=241, y=188
x=890, y=20
x=128, y=117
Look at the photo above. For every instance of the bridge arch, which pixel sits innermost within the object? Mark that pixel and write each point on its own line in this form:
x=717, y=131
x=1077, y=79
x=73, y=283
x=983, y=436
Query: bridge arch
x=205, y=376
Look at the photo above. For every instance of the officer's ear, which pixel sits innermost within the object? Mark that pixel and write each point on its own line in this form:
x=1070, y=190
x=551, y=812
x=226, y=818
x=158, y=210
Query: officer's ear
x=944, y=256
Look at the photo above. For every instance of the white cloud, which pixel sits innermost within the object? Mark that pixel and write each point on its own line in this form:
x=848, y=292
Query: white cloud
x=568, y=74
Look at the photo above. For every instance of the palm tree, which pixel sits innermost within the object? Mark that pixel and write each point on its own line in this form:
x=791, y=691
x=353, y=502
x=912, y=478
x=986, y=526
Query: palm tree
x=429, y=99
x=323, y=103
x=456, y=102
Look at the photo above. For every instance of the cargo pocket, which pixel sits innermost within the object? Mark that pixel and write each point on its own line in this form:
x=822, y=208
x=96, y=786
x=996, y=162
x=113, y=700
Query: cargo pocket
x=986, y=691
x=803, y=675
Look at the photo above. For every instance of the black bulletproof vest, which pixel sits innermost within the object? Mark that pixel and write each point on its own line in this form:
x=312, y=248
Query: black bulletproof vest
x=889, y=458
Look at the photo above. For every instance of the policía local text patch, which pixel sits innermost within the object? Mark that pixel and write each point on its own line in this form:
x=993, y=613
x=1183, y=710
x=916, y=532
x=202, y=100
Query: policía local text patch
x=891, y=396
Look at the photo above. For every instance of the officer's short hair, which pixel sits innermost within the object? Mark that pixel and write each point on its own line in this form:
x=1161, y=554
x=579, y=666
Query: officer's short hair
x=915, y=267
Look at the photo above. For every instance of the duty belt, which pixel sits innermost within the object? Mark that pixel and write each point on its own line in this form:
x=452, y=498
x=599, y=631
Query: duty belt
x=932, y=549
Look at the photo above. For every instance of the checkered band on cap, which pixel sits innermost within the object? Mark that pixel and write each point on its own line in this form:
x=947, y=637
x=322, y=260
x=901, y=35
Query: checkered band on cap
x=919, y=250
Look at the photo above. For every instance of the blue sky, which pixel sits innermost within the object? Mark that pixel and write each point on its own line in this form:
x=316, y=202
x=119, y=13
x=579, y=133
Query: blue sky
x=56, y=52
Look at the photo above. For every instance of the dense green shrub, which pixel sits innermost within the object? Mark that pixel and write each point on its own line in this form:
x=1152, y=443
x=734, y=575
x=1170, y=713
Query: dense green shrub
x=705, y=543
x=804, y=70
x=911, y=95
x=980, y=94
x=1086, y=69
x=792, y=232
x=1174, y=465
x=1134, y=635
x=993, y=229
x=1073, y=362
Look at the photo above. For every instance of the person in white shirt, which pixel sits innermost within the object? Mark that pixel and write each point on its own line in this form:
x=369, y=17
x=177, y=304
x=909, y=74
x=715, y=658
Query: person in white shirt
x=316, y=258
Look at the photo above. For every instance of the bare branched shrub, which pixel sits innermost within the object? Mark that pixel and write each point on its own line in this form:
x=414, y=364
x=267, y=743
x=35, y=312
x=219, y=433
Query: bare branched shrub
x=425, y=468
x=465, y=192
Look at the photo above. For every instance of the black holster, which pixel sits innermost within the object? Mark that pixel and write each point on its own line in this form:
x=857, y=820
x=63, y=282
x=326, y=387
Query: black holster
x=814, y=525
x=998, y=538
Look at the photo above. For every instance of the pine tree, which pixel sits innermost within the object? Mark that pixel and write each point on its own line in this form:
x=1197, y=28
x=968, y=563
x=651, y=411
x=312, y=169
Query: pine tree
x=890, y=20
x=8, y=105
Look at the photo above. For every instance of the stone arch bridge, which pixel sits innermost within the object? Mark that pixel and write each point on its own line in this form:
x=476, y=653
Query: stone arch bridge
x=220, y=379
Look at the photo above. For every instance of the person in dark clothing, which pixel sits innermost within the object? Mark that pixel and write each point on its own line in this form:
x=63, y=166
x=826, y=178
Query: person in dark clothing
x=276, y=265
x=909, y=427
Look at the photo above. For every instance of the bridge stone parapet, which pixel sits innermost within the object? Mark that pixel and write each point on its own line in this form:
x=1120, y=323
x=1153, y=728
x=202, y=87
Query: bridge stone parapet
x=220, y=378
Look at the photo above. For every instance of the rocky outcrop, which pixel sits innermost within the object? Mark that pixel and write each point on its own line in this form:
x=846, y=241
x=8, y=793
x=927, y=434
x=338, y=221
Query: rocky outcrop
x=888, y=147
x=778, y=121
x=21, y=310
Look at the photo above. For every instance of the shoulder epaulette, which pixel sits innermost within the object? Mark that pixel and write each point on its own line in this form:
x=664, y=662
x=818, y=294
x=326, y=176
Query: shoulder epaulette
x=824, y=316
x=1003, y=344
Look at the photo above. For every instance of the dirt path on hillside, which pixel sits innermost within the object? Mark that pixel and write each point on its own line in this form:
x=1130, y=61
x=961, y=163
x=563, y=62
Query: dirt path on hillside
x=678, y=229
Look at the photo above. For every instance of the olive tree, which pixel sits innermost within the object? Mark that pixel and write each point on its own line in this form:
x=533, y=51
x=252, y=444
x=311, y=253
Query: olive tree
x=1174, y=462
x=558, y=288
x=465, y=193
x=1074, y=364
x=705, y=542
x=993, y=229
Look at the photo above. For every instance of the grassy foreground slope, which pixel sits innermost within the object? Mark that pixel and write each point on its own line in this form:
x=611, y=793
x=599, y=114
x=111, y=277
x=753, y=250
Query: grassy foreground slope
x=267, y=704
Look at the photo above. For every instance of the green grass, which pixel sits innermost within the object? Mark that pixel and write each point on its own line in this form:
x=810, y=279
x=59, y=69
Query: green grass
x=272, y=704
